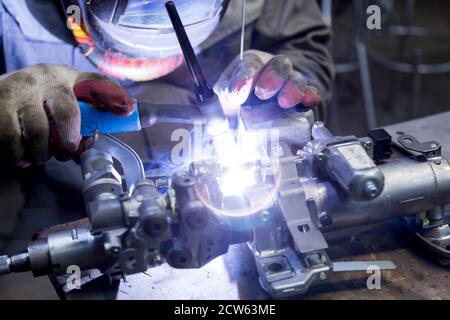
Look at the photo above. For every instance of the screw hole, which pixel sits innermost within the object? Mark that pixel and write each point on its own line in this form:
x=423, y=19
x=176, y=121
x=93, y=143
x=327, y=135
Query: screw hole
x=182, y=260
x=275, y=267
x=131, y=263
x=303, y=228
x=407, y=140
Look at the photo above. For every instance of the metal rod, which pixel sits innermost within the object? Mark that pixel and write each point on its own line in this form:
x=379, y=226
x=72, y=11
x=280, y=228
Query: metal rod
x=242, y=30
x=416, y=82
x=366, y=81
x=203, y=88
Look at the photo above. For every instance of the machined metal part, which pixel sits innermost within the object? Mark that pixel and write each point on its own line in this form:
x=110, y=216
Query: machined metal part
x=343, y=266
x=128, y=223
x=286, y=274
x=293, y=204
x=349, y=165
x=440, y=237
x=303, y=193
x=203, y=234
x=347, y=161
x=435, y=237
x=131, y=164
x=429, y=149
x=410, y=187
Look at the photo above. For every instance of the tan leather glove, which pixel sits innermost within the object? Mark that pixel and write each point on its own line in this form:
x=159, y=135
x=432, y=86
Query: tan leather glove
x=39, y=114
x=267, y=76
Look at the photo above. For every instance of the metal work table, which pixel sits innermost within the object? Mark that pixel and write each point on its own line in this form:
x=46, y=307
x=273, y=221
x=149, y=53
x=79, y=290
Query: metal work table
x=232, y=276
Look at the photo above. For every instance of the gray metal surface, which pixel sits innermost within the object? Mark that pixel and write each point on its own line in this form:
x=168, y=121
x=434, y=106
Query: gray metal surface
x=233, y=276
x=361, y=265
x=418, y=275
x=226, y=276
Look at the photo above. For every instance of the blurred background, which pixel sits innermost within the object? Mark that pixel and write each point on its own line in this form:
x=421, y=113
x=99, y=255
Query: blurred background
x=407, y=74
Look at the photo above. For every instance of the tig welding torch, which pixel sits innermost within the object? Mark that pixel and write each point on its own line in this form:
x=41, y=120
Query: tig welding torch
x=208, y=102
x=145, y=115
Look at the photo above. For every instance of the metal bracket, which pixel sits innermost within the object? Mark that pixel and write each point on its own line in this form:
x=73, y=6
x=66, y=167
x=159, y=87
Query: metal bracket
x=131, y=163
x=345, y=266
x=428, y=149
x=293, y=204
x=285, y=273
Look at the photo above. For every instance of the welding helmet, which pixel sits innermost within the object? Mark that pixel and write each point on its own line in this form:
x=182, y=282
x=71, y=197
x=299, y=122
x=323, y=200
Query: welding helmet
x=134, y=39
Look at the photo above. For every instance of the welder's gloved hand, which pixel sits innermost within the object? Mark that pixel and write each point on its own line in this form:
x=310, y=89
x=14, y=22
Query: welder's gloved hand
x=267, y=76
x=39, y=113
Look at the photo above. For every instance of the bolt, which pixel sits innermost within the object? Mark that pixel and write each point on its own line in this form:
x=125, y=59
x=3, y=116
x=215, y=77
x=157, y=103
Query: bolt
x=325, y=219
x=5, y=264
x=179, y=258
x=322, y=275
x=320, y=132
x=155, y=225
x=367, y=145
x=158, y=260
x=265, y=215
x=370, y=189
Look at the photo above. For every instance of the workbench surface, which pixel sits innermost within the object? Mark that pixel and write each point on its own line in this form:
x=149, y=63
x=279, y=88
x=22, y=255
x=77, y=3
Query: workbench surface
x=232, y=276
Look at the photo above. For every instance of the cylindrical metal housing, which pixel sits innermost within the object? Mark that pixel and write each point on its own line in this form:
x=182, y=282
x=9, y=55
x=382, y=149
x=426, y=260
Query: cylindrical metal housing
x=63, y=249
x=192, y=211
x=349, y=165
x=153, y=218
x=101, y=179
x=411, y=186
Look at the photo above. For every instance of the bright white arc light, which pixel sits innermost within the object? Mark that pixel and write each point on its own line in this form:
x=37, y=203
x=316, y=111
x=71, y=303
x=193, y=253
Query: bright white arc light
x=236, y=180
x=226, y=149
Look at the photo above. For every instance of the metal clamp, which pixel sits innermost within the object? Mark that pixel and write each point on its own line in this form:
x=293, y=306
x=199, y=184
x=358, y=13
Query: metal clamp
x=428, y=149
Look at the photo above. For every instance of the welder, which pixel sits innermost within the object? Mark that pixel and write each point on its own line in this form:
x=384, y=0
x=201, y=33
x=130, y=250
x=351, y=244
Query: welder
x=103, y=52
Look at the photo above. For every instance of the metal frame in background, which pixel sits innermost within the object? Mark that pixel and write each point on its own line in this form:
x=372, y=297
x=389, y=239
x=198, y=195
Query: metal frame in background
x=417, y=68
